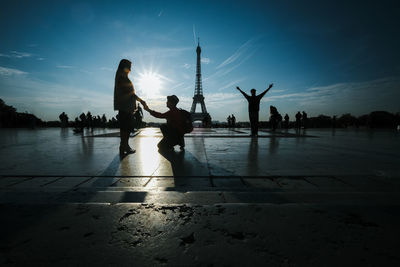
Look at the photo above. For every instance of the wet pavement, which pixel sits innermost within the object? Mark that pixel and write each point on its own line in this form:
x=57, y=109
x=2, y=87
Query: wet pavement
x=312, y=198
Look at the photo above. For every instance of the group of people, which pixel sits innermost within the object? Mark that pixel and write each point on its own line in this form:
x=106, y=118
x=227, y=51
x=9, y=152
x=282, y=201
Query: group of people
x=301, y=120
x=275, y=117
x=231, y=120
x=85, y=120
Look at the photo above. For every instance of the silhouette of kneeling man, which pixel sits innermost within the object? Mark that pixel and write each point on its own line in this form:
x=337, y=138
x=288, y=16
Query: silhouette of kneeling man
x=174, y=130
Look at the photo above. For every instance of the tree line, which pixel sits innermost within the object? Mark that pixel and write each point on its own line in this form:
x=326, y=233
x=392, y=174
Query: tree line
x=10, y=118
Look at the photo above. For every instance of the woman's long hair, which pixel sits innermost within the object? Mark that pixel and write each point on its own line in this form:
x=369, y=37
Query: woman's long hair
x=124, y=63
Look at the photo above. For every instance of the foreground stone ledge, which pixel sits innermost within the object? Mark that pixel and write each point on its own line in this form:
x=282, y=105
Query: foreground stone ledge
x=200, y=235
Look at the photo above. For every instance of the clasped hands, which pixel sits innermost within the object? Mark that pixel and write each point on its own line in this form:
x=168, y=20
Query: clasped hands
x=145, y=106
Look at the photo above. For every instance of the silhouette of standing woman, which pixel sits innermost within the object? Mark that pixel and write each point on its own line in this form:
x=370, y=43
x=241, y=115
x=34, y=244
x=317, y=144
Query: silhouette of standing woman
x=125, y=102
x=254, y=107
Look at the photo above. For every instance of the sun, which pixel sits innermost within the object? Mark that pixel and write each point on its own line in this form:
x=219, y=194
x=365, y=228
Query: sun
x=149, y=83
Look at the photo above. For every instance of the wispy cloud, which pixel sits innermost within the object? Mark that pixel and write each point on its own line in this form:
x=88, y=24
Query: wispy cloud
x=223, y=100
x=205, y=60
x=226, y=70
x=355, y=97
x=106, y=69
x=186, y=66
x=161, y=12
x=176, y=86
x=16, y=54
x=232, y=84
x=65, y=67
x=241, y=55
x=246, y=49
x=156, y=52
x=20, y=54
x=194, y=35
x=10, y=72
x=277, y=91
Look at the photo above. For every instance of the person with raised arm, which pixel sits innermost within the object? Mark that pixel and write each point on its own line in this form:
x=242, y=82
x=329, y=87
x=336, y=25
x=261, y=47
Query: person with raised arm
x=254, y=107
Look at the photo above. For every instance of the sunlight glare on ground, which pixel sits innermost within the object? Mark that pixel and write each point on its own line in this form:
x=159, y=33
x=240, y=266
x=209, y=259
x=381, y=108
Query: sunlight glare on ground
x=148, y=154
x=149, y=83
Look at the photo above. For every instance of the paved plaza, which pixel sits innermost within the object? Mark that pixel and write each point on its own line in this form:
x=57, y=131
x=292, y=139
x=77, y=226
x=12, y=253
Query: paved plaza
x=308, y=198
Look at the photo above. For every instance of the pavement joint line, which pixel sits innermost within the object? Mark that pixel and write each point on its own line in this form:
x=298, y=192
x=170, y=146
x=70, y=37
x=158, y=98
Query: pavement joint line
x=340, y=180
x=208, y=166
x=151, y=177
x=145, y=184
x=59, y=178
x=119, y=179
x=277, y=182
x=27, y=179
x=77, y=185
x=237, y=131
x=243, y=181
x=305, y=179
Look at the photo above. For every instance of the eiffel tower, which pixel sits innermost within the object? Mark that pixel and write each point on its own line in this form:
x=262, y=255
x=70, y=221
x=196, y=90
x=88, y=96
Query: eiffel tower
x=198, y=97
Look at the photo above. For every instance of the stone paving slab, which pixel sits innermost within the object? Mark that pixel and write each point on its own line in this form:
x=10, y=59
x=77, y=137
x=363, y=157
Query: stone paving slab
x=199, y=235
x=229, y=200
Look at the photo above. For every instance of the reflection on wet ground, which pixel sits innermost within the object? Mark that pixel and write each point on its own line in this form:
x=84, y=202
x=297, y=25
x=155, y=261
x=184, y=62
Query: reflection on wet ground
x=213, y=159
x=286, y=198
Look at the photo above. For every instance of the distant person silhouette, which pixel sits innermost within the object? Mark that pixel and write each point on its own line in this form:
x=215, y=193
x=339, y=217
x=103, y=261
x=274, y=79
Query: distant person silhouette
x=298, y=120
x=229, y=120
x=286, y=121
x=64, y=120
x=89, y=119
x=174, y=130
x=334, y=122
x=83, y=121
x=103, y=121
x=279, y=121
x=125, y=102
x=254, y=107
x=275, y=117
x=304, y=119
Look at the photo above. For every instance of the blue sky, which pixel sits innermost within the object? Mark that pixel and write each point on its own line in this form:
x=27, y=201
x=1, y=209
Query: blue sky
x=324, y=57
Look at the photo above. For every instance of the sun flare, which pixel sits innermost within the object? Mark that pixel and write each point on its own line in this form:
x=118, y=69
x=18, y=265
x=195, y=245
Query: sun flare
x=149, y=83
